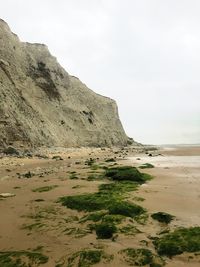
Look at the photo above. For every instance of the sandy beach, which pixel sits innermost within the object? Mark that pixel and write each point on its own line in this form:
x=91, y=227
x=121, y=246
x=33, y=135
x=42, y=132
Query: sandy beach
x=33, y=220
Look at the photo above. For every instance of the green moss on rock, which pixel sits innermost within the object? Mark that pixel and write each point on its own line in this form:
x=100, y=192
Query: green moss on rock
x=105, y=230
x=125, y=173
x=179, y=241
x=162, y=217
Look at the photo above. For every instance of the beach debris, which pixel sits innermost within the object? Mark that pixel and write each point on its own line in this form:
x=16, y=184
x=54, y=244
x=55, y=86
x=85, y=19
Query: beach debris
x=5, y=195
x=27, y=175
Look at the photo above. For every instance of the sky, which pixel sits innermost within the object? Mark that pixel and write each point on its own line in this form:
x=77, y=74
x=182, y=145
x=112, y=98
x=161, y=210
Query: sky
x=145, y=54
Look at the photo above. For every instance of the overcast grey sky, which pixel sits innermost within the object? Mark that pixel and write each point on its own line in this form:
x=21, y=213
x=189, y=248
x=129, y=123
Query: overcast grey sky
x=143, y=53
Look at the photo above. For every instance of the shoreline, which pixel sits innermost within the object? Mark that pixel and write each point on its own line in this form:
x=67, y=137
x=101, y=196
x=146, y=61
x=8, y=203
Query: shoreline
x=176, y=185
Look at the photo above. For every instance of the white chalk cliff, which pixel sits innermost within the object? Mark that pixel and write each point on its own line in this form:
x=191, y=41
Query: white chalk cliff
x=41, y=104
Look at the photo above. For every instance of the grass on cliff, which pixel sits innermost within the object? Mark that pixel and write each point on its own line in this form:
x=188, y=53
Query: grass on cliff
x=179, y=241
x=21, y=259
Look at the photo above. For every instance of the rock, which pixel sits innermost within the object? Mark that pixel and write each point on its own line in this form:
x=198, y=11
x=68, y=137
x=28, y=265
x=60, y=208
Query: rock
x=29, y=155
x=11, y=151
x=5, y=195
x=28, y=174
x=40, y=156
x=42, y=105
x=3, y=62
x=57, y=158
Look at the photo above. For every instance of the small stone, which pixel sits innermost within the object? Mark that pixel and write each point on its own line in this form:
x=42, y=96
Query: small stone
x=28, y=174
x=57, y=158
x=5, y=195
x=40, y=156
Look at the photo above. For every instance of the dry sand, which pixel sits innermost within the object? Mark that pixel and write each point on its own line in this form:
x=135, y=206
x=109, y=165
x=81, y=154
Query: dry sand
x=175, y=189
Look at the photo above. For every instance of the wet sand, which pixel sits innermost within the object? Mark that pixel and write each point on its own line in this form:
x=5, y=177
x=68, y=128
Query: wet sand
x=175, y=189
x=176, y=184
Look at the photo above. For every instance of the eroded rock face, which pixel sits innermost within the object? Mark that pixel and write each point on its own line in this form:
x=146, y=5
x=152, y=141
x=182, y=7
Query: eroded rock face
x=41, y=104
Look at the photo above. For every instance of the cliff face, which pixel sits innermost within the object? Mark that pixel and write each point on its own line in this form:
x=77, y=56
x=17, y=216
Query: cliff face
x=41, y=104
